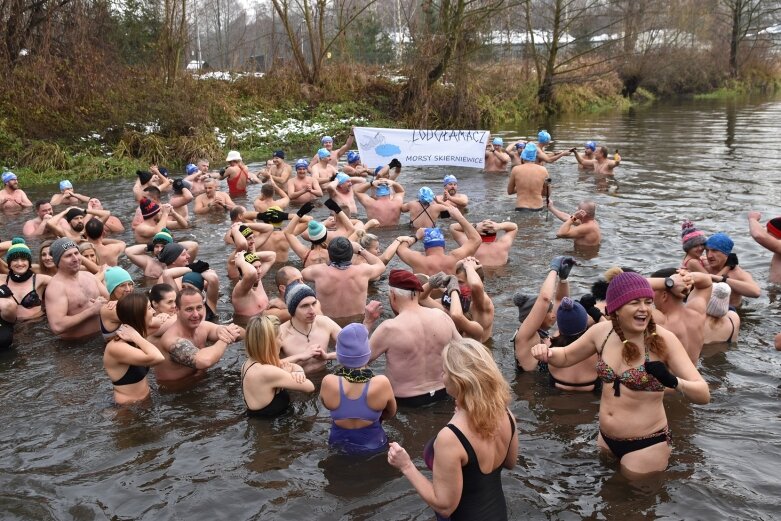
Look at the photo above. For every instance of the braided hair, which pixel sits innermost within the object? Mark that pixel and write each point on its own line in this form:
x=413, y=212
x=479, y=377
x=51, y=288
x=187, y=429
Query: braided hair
x=653, y=342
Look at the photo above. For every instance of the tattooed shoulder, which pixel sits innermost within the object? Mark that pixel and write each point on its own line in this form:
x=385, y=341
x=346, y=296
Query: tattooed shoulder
x=183, y=352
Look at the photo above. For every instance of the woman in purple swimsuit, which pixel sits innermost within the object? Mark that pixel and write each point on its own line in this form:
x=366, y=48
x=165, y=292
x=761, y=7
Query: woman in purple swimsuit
x=358, y=400
x=633, y=360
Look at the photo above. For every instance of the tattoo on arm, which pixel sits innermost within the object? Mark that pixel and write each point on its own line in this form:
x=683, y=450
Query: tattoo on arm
x=183, y=352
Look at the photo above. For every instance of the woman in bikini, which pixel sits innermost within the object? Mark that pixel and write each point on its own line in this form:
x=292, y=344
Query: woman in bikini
x=128, y=355
x=265, y=379
x=26, y=286
x=633, y=360
x=468, y=455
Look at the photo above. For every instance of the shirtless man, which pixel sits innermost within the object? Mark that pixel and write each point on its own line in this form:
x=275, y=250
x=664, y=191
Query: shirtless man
x=450, y=193
x=11, y=196
x=322, y=170
x=237, y=175
x=112, y=223
x=70, y=222
x=67, y=195
x=265, y=199
x=245, y=237
x=153, y=178
x=196, y=175
x=412, y=343
x=680, y=299
x=600, y=164
x=182, y=197
x=73, y=298
x=496, y=159
x=303, y=188
x=248, y=296
x=424, y=212
x=156, y=217
x=342, y=285
x=435, y=259
x=354, y=167
x=37, y=227
x=213, y=199
x=477, y=316
x=514, y=151
x=723, y=266
x=108, y=250
x=305, y=338
x=588, y=156
x=278, y=170
x=580, y=226
x=184, y=343
x=341, y=191
x=494, y=249
x=528, y=180
x=145, y=256
x=327, y=143
x=285, y=276
x=386, y=204
x=543, y=139
x=769, y=239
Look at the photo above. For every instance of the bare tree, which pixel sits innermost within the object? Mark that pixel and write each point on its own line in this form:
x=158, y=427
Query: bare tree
x=747, y=18
x=321, y=29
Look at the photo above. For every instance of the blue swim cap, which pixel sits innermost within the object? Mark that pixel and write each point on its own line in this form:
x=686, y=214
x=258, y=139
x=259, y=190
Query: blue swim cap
x=721, y=242
x=65, y=185
x=190, y=169
x=382, y=190
x=591, y=145
x=327, y=139
x=301, y=163
x=543, y=137
x=432, y=238
x=529, y=152
x=519, y=146
x=8, y=177
x=449, y=179
x=425, y=195
x=377, y=170
x=498, y=141
x=352, y=157
x=341, y=178
x=323, y=153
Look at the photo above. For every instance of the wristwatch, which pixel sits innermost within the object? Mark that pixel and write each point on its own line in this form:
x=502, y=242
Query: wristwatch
x=669, y=283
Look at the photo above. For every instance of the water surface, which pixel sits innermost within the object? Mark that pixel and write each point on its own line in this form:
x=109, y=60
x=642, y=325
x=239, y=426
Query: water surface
x=68, y=453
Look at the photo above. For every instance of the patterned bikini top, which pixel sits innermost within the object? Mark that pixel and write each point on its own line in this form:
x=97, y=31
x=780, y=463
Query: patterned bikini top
x=635, y=378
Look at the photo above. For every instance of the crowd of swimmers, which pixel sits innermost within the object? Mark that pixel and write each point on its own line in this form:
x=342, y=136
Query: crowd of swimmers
x=632, y=339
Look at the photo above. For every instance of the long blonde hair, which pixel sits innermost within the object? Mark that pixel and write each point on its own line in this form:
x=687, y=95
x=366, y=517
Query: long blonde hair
x=260, y=341
x=481, y=390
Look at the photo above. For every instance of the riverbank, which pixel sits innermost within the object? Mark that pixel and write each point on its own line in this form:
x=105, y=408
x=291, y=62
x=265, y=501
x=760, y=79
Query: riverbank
x=208, y=115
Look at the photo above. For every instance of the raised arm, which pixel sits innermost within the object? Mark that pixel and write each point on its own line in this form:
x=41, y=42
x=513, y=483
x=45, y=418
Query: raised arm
x=473, y=240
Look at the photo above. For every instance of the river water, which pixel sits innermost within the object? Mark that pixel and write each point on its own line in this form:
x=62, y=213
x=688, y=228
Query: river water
x=68, y=453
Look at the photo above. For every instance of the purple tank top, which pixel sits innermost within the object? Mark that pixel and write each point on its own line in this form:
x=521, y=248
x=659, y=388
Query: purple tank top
x=357, y=409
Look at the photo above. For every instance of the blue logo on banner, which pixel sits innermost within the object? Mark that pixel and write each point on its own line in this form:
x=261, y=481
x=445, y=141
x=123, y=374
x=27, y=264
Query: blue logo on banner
x=387, y=150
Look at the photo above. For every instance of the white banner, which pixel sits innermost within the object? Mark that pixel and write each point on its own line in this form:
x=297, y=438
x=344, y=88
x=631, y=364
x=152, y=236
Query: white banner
x=378, y=146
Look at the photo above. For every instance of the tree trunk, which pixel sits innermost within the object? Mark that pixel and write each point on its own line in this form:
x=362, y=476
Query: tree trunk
x=734, y=42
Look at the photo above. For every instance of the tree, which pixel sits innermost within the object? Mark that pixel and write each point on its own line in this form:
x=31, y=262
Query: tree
x=747, y=18
x=321, y=28
x=440, y=32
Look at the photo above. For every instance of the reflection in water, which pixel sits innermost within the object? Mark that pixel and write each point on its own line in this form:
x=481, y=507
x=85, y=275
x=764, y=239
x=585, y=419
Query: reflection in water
x=190, y=452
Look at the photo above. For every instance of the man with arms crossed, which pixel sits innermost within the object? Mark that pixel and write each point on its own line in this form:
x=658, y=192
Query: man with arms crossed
x=184, y=344
x=73, y=298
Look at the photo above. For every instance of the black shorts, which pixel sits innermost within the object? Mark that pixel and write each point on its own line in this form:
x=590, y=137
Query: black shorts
x=423, y=399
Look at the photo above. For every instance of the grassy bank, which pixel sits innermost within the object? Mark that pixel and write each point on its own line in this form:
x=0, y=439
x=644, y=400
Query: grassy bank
x=130, y=125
